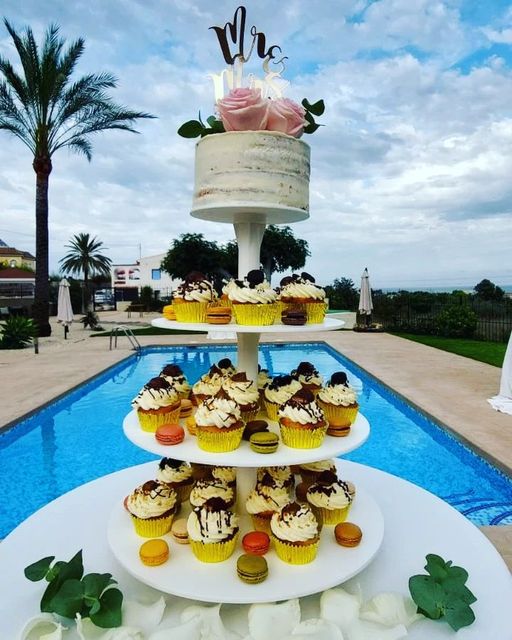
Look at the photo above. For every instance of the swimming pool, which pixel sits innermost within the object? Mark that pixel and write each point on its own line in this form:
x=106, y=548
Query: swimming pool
x=80, y=437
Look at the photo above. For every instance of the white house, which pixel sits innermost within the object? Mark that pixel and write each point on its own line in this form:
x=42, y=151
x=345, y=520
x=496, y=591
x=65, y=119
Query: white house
x=145, y=272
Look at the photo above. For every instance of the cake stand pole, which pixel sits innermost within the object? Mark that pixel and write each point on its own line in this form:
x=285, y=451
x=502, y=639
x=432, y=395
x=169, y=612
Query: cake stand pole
x=249, y=236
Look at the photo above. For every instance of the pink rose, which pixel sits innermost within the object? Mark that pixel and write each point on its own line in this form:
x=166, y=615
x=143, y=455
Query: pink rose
x=243, y=110
x=286, y=116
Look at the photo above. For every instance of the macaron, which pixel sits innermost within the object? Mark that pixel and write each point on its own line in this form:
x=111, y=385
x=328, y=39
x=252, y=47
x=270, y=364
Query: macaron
x=254, y=426
x=256, y=543
x=338, y=431
x=179, y=531
x=190, y=423
x=154, y=552
x=293, y=317
x=218, y=315
x=301, y=491
x=347, y=534
x=169, y=434
x=186, y=408
x=264, y=442
x=251, y=569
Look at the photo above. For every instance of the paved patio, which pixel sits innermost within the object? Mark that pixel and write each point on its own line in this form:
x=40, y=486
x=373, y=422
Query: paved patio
x=451, y=389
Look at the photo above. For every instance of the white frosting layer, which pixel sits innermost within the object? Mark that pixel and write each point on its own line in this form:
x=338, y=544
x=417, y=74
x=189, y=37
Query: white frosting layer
x=149, y=398
x=204, y=490
x=339, y=395
x=241, y=168
x=259, y=501
x=297, y=527
x=211, y=526
x=333, y=496
x=151, y=501
x=217, y=412
x=171, y=474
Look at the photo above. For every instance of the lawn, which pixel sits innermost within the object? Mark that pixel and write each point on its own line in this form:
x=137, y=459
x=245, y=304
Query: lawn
x=489, y=352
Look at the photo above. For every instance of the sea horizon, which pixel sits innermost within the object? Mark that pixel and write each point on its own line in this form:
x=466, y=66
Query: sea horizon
x=436, y=289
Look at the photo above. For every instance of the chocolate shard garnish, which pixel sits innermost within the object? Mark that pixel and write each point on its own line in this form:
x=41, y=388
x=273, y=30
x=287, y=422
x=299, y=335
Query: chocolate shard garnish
x=241, y=376
x=286, y=280
x=172, y=370
x=327, y=477
x=225, y=363
x=150, y=486
x=291, y=508
x=302, y=397
x=340, y=377
x=214, y=371
x=280, y=381
x=306, y=369
x=305, y=276
x=216, y=504
x=255, y=277
x=223, y=395
x=239, y=283
x=170, y=462
x=157, y=383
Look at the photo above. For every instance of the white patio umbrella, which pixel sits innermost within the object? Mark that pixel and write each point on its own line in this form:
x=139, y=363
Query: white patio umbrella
x=503, y=401
x=64, y=308
x=365, y=296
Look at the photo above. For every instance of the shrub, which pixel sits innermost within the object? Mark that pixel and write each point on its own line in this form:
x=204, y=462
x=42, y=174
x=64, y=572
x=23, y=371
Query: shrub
x=17, y=332
x=91, y=320
x=456, y=321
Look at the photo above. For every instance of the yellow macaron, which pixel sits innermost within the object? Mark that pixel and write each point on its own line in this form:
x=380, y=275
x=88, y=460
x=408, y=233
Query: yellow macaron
x=154, y=552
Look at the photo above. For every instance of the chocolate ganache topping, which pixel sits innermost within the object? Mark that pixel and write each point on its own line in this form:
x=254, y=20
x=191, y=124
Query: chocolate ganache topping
x=158, y=383
x=170, y=462
x=340, y=377
x=255, y=277
x=225, y=363
x=280, y=381
x=172, y=371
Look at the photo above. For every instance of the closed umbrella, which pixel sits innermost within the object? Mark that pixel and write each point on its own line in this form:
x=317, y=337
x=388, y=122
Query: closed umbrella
x=503, y=401
x=64, y=308
x=365, y=297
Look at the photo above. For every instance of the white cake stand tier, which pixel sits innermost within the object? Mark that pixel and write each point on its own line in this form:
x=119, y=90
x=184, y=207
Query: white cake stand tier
x=184, y=575
x=250, y=212
x=244, y=456
x=329, y=324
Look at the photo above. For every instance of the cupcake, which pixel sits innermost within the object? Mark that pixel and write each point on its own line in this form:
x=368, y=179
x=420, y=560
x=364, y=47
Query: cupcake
x=157, y=403
x=177, y=379
x=263, y=380
x=278, y=392
x=339, y=403
x=303, y=292
x=295, y=533
x=204, y=490
x=201, y=471
x=308, y=376
x=309, y=472
x=331, y=497
x=302, y=421
x=212, y=531
x=226, y=367
x=263, y=501
x=253, y=299
x=219, y=424
x=177, y=475
x=152, y=507
x=281, y=476
x=227, y=475
x=208, y=385
x=245, y=393
x=192, y=297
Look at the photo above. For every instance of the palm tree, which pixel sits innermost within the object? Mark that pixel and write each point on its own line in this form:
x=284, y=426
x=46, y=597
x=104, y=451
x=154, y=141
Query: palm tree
x=47, y=111
x=84, y=257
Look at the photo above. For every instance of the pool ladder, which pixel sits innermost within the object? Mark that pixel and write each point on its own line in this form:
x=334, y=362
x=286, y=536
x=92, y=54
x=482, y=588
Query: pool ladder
x=116, y=331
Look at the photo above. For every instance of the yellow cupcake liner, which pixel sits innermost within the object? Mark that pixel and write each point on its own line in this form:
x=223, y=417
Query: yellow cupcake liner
x=271, y=408
x=215, y=551
x=151, y=421
x=333, y=516
x=190, y=311
x=302, y=438
x=315, y=312
x=339, y=416
x=255, y=314
x=280, y=307
x=220, y=440
x=261, y=523
x=295, y=554
x=152, y=527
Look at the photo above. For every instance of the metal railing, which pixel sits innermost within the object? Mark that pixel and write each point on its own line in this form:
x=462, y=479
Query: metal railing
x=116, y=331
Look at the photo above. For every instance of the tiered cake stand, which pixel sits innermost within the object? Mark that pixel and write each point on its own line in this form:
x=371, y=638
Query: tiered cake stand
x=184, y=575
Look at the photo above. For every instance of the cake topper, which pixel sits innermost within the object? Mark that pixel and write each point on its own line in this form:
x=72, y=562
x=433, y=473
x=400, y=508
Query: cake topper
x=252, y=103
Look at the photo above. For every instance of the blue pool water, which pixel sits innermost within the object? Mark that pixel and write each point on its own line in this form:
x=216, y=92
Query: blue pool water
x=80, y=437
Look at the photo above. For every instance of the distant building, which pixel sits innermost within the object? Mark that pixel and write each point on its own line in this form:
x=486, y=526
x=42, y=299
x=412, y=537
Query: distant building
x=14, y=258
x=128, y=279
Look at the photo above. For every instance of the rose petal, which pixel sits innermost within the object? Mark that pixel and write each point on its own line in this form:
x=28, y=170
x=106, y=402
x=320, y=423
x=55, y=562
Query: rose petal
x=390, y=609
x=316, y=629
x=146, y=617
x=87, y=630
x=212, y=627
x=43, y=627
x=340, y=607
x=363, y=630
x=273, y=620
x=190, y=630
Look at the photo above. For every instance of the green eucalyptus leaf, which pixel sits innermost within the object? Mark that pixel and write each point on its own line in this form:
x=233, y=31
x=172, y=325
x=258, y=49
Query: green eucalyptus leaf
x=191, y=129
x=457, y=574
x=96, y=583
x=455, y=590
x=55, y=570
x=109, y=614
x=94, y=608
x=428, y=595
x=459, y=614
x=69, y=598
x=38, y=570
x=211, y=120
x=309, y=117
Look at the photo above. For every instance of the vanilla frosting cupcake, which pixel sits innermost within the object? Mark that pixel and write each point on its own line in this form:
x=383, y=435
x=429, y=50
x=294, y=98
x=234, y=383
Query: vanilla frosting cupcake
x=245, y=393
x=226, y=475
x=338, y=401
x=177, y=475
x=302, y=421
x=226, y=367
x=156, y=403
x=295, y=533
x=177, y=379
x=152, y=507
x=280, y=389
x=281, y=476
x=308, y=376
x=212, y=531
x=302, y=291
x=191, y=298
x=203, y=490
x=310, y=471
x=331, y=496
x=253, y=299
x=262, y=502
x=208, y=385
x=219, y=424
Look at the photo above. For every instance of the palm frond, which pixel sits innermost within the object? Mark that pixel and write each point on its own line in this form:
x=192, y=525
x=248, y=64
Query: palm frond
x=84, y=256
x=81, y=145
x=19, y=132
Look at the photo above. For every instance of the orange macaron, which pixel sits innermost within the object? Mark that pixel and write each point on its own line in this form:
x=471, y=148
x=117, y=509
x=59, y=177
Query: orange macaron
x=347, y=534
x=169, y=434
x=256, y=543
x=154, y=552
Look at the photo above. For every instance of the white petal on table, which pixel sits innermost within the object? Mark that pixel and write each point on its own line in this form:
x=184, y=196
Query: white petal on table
x=316, y=629
x=190, y=630
x=273, y=620
x=42, y=627
x=390, y=609
x=145, y=617
x=212, y=627
x=364, y=630
x=87, y=630
x=340, y=607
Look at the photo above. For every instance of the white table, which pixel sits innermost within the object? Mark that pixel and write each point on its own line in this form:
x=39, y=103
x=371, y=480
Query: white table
x=416, y=523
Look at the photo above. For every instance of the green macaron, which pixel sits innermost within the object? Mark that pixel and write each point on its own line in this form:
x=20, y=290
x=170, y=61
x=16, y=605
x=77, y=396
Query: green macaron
x=264, y=442
x=251, y=569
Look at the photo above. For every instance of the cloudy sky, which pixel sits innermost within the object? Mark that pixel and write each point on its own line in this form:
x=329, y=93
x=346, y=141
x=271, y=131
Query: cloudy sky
x=411, y=175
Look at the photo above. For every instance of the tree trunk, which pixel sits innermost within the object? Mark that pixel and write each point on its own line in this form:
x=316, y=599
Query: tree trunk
x=41, y=310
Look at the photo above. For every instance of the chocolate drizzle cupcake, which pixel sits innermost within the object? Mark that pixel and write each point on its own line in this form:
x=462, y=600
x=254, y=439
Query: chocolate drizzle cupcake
x=331, y=497
x=212, y=531
x=302, y=421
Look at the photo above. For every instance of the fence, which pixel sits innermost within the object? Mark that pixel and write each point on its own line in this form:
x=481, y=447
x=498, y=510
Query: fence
x=494, y=319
